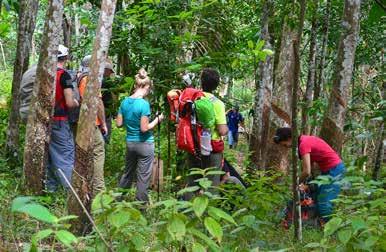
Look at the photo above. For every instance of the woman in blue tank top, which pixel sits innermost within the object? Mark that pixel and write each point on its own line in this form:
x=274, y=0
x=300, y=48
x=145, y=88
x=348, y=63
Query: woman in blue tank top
x=134, y=114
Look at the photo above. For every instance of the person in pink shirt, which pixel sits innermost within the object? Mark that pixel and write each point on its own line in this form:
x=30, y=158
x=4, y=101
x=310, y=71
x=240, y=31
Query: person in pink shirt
x=311, y=150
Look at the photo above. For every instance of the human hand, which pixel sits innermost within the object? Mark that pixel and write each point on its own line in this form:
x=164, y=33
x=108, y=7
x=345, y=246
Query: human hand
x=303, y=187
x=225, y=177
x=104, y=129
x=161, y=117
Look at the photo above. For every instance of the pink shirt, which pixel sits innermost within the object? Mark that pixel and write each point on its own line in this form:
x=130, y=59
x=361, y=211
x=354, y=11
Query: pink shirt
x=320, y=152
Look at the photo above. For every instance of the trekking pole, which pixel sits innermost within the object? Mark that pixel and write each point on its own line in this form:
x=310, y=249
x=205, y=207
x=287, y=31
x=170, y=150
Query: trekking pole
x=159, y=155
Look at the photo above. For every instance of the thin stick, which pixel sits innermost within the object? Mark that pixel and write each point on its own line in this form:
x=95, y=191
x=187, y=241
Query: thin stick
x=159, y=156
x=2, y=52
x=85, y=211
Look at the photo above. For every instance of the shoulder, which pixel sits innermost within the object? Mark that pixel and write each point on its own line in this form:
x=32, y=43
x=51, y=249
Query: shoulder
x=216, y=101
x=65, y=74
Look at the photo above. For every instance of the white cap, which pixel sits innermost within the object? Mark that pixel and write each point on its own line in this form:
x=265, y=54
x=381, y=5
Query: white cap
x=109, y=66
x=62, y=51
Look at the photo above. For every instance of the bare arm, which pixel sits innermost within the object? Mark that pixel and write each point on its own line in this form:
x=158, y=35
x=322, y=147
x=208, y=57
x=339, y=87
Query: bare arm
x=119, y=121
x=306, y=167
x=69, y=98
x=101, y=116
x=222, y=129
x=146, y=126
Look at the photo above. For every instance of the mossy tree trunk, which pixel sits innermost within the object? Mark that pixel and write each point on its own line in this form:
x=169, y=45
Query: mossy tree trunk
x=27, y=20
x=333, y=122
x=260, y=129
x=83, y=171
x=38, y=126
x=277, y=156
x=308, y=95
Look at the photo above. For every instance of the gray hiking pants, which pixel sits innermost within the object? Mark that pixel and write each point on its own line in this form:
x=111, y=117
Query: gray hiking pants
x=139, y=161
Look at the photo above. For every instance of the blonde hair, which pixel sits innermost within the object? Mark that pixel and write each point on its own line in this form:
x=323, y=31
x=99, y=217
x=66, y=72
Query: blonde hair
x=142, y=80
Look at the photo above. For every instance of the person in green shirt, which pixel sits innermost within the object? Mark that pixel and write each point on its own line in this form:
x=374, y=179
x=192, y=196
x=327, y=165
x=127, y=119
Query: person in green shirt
x=210, y=80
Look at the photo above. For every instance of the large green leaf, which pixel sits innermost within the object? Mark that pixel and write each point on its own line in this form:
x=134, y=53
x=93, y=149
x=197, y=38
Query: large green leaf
x=40, y=236
x=199, y=205
x=344, y=235
x=20, y=202
x=220, y=214
x=370, y=242
x=358, y=223
x=213, y=227
x=118, y=219
x=66, y=237
x=205, y=238
x=38, y=212
x=176, y=227
x=101, y=201
x=188, y=189
x=332, y=226
x=204, y=183
x=197, y=247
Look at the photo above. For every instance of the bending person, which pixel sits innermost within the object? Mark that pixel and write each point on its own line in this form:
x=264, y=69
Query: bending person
x=313, y=149
x=134, y=114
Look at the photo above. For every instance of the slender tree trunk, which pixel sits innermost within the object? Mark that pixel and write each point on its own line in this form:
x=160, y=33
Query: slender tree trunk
x=83, y=171
x=325, y=30
x=262, y=109
x=306, y=128
x=66, y=24
x=77, y=23
x=380, y=151
x=294, y=125
x=27, y=21
x=38, y=127
x=277, y=157
x=333, y=122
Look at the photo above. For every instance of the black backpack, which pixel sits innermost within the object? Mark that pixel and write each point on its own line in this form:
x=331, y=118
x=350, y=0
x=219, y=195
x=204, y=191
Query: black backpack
x=73, y=114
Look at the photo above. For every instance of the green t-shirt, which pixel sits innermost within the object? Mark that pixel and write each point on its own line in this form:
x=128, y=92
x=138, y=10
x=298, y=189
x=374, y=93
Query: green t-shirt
x=219, y=112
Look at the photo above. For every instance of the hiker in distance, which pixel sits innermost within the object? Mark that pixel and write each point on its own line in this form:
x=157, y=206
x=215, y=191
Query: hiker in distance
x=134, y=114
x=234, y=118
x=313, y=149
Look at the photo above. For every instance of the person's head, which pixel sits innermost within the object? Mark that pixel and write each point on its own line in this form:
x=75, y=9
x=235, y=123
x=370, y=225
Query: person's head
x=85, y=64
x=236, y=108
x=142, y=81
x=109, y=69
x=210, y=79
x=62, y=54
x=283, y=137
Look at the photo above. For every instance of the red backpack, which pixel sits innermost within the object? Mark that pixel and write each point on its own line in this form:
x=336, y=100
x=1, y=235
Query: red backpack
x=183, y=112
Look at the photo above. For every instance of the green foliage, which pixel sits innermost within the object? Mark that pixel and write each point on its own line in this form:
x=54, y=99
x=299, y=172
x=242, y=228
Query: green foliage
x=58, y=227
x=359, y=222
x=176, y=224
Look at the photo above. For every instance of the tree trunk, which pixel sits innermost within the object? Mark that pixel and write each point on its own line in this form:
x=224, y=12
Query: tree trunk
x=38, y=126
x=306, y=127
x=277, y=157
x=320, y=76
x=66, y=24
x=27, y=21
x=294, y=125
x=333, y=122
x=380, y=151
x=83, y=171
x=262, y=109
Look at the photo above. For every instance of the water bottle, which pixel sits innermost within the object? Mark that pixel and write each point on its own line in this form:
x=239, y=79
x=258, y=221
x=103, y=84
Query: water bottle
x=206, y=145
